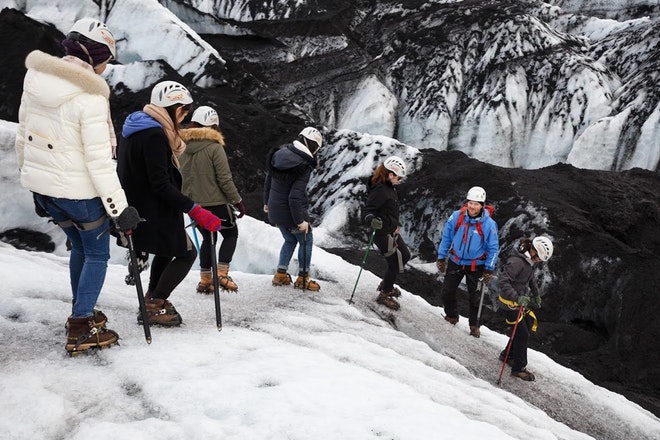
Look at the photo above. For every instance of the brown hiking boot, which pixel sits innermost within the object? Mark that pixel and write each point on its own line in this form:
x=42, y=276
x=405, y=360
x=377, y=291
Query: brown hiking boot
x=85, y=333
x=451, y=319
x=309, y=284
x=474, y=331
x=524, y=375
x=99, y=319
x=281, y=278
x=160, y=312
x=395, y=292
x=205, y=284
x=224, y=280
x=387, y=301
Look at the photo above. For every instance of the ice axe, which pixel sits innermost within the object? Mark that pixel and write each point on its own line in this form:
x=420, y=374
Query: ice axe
x=138, y=285
x=216, y=281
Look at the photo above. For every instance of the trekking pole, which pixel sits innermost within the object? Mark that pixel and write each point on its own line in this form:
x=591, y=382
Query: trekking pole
x=216, y=282
x=371, y=240
x=508, y=347
x=138, y=286
x=304, y=265
x=481, y=301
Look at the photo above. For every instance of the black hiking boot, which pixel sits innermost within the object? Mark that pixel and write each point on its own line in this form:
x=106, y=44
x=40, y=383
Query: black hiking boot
x=509, y=361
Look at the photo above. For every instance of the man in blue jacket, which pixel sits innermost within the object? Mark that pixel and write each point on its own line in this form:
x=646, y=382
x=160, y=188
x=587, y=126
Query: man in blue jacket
x=470, y=241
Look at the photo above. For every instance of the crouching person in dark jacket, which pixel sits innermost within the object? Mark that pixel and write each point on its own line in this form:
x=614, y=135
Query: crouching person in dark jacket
x=285, y=201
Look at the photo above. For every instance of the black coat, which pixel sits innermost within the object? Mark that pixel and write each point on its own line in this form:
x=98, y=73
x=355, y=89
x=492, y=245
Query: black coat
x=153, y=186
x=382, y=202
x=285, y=189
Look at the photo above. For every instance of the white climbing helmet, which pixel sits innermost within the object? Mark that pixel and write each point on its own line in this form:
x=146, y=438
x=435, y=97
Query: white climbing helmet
x=206, y=116
x=476, y=194
x=543, y=247
x=167, y=93
x=94, y=30
x=396, y=165
x=312, y=134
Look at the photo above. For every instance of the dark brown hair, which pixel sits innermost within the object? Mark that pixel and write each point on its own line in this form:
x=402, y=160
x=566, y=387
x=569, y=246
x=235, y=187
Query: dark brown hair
x=171, y=111
x=381, y=175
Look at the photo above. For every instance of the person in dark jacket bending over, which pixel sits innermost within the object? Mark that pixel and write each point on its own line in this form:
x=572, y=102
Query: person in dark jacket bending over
x=285, y=201
x=382, y=214
x=516, y=283
x=148, y=168
x=207, y=180
x=470, y=240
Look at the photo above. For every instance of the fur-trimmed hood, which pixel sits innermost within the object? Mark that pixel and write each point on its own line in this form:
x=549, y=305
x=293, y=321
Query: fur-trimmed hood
x=201, y=134
x=53, y=80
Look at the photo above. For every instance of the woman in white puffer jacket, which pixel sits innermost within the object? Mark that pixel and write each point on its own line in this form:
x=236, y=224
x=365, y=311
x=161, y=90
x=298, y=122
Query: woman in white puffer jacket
x=64, y=148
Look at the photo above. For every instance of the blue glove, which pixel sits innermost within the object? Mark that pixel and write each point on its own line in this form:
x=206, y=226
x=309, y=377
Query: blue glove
x=536, y=302
x=523, y=300
x=376, y=223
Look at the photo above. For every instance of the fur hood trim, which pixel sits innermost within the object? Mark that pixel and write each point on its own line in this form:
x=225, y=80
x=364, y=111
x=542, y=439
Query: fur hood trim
x=201, y=134
x=89, y=81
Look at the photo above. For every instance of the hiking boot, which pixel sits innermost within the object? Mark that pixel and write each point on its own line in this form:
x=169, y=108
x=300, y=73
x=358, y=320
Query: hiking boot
x=474, y=331
x=509, y=361
x=205, y=284
x=160, y=312
x=395, y=292
x=451, y=319
x=524, y=375
x=99, y=319
x=387, y=301
x=224, y=280
x=281, y=278
x=85, y=333
x=308, y=284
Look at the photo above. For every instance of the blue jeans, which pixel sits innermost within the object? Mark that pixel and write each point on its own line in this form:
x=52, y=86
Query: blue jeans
x=292, y=238
x=90, y=250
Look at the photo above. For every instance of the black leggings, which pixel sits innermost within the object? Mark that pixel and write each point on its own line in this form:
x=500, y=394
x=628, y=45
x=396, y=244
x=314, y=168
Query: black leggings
x=167, y=272
x=519, y=344
x=396, y=256
x=229, y=234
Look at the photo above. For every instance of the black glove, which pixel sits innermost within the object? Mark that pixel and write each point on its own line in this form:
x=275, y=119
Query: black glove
x=523, y=300
x=441, y=265
x=535, y=302
x=487, y=276
x=128, y=219
x=376, y=223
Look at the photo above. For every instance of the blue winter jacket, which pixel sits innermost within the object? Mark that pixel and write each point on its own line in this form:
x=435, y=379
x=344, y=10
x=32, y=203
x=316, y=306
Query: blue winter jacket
x=464, y=248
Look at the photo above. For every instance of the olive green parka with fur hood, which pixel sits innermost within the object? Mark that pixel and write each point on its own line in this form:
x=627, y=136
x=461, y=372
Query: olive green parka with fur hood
x=207, y=178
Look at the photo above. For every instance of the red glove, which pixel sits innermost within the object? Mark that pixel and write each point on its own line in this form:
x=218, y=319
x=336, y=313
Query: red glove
x=241, y=209
x=205, y=218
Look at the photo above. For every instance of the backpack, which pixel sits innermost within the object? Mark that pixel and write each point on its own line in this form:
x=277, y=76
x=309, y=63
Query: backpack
x=461, y=221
